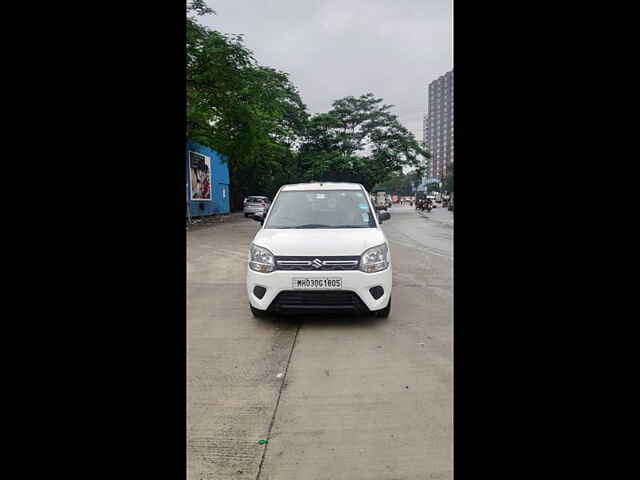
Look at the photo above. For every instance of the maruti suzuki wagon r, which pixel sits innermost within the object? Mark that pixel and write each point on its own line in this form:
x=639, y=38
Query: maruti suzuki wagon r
x=320, y=249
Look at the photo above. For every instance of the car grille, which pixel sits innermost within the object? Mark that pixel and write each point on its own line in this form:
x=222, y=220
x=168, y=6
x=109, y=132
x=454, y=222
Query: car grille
x=308, y=302
x=317, y=264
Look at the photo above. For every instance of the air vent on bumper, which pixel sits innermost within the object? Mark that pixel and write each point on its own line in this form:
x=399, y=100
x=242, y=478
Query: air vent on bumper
x=259, y=291
x=376, y=292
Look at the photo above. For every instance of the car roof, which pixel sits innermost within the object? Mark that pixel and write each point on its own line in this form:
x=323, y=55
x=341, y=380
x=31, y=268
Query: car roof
x=322, y=186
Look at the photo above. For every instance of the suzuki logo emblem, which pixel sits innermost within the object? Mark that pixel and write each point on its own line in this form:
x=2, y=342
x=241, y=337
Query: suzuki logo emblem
x=317, y=263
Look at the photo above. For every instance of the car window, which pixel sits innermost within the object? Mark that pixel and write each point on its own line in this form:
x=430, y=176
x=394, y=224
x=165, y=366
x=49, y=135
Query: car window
x=321, y=209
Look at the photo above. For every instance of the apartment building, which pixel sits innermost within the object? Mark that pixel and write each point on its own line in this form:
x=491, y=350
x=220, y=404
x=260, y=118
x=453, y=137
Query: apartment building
x=438, y=125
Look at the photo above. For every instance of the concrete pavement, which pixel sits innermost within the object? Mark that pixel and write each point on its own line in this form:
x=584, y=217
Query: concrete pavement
x=337, y=398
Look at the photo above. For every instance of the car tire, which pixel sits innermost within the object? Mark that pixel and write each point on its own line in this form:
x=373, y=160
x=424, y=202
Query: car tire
x=384, y=313
x=257, y=313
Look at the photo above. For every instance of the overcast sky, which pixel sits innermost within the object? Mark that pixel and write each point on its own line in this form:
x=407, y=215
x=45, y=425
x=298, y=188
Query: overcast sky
x=335, y=48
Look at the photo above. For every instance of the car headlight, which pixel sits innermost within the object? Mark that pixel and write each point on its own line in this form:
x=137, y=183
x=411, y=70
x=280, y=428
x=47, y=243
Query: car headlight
x=375, y=259
x=260, y=259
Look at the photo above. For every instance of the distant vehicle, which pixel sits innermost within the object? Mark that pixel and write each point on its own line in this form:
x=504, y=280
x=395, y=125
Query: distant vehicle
x=433, y=200
x=438, y=197
x=450, y=206
x=320, y=249
x=445, y=199
x=380, y=200
x=424, y=202
x=255, y=204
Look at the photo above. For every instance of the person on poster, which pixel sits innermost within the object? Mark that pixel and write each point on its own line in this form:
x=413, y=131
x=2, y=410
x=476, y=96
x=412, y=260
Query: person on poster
x=205, y=186
x=194, y=183
x=200, y=179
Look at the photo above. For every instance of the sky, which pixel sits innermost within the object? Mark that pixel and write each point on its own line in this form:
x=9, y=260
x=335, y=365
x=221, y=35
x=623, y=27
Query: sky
x=335, y=48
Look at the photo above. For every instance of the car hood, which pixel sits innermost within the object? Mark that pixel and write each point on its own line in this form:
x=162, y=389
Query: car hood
x=318, y=241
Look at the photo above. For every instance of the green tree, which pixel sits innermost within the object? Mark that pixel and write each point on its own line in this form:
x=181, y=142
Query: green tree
x=199, y=7
x=400, y=183
x=395, y=184
x=359, y=139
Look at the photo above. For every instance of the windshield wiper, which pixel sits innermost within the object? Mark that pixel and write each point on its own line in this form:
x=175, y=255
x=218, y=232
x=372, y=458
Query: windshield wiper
x=317, y=225
x=313, y=225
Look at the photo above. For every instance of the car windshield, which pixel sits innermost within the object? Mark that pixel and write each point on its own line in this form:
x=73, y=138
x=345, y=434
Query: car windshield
x=321, y=209
x=256, y=199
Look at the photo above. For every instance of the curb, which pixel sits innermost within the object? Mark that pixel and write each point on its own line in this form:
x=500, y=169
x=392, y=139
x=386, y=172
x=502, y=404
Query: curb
x=200, y=222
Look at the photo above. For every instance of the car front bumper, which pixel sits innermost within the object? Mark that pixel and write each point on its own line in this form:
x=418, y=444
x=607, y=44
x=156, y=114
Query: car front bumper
x=354, y=281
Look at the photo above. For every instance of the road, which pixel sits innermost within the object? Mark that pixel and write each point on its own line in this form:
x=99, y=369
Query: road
x=336, y=397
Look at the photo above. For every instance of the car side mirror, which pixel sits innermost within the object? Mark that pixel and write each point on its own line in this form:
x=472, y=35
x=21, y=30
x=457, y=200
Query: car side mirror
x=382, y=216
x=258, y=218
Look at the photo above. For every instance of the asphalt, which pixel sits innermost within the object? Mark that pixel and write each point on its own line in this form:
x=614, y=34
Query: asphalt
x=335, y=397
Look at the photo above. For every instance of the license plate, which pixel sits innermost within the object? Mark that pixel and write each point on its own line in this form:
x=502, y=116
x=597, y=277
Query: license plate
x=317, y=283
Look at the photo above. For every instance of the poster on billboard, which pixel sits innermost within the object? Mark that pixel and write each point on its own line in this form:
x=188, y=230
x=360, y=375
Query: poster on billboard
x=200, y=173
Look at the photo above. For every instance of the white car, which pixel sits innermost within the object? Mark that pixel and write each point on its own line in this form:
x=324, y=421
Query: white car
x=320, y=249
x=255, y=204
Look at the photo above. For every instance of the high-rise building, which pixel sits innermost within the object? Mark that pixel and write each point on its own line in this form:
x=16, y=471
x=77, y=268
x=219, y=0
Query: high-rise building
x=438, y=126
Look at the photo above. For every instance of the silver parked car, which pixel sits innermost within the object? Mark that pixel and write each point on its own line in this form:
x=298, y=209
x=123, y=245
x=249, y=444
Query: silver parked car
x=256, y=204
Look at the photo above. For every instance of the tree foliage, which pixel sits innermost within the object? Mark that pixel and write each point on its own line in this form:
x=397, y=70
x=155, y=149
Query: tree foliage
x=400, y=183
x=199, y=7
x=359, y=139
